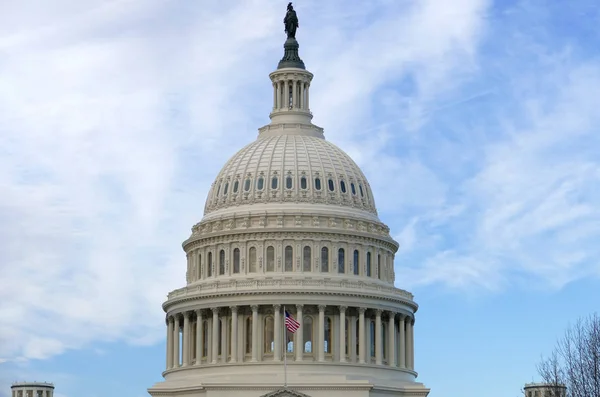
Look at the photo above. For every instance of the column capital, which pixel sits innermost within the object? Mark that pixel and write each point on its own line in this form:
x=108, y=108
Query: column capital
x=277, y=307
x=322, y=308
x=299, y=307
x=401, y=316
x=378, y=312
x=233, y=309
x=254, y=308
x=362, y=310
x=199, y=312
x=343, y=309
x=186, y=314
x=215, y=310
x=391, y=314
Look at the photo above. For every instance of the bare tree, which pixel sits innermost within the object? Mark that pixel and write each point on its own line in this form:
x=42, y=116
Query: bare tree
x=575, y=362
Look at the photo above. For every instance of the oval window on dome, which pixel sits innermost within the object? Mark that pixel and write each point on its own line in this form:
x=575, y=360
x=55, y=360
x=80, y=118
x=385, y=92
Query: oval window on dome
x=331, y=185
x=226, y=188
x=303, y=184
x=317, y=183
x=353, y=188
x=247, y=185
x=361, y=190
x=260, y=183
x=236, y=186
x=288, y=182
x=343, y=186
x=274, y=183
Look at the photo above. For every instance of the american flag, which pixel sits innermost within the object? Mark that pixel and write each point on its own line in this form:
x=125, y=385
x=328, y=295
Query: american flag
x=291, y=324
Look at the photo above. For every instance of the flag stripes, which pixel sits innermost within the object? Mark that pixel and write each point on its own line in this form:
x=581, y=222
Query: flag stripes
x=290, y=323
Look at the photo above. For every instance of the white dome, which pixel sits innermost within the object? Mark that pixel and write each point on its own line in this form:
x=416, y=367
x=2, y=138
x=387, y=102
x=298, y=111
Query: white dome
x=291, y=168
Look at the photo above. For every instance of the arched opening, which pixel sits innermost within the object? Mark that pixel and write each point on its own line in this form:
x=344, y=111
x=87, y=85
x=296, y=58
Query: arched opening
x=260, y=183
x=222, y=262
x=274, y=183
x=343, y=186
x=307, y=331
x=306, y=260
x=200, y=267
x=248, y=335
x=236, y=260
x=303, y=184
x=247, y=184
x=327, y=343
x=289, y=182
x=210, y=264
x=324, y=260
x=204, y=339
x=270, y=259
x=368, y=264
x=252, y=260
x=379, y=272
x=372, y=337
x=331, y=185
x=355, y=263
x=236, y=186
x=341, y=261
x=269, y=336
x=289, y=259
x=317, y=183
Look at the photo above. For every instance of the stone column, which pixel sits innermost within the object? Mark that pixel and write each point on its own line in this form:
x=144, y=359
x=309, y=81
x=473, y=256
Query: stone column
x=199, y=337
x=277, y=330
x=254, y=333
x=186, y=339
x=169, y=342
x=286, y=94
x=302, y=104
x=294, y=94
x=176, y=342
x=234, y=333
x=215, y=335
x=353, y=337
x=224, y=340
x=299, y=334
x=411, y=344
x=321, y=344
x=343, y=334
x=307, y=103
x=391, y=339
x=402, y=340
x=361, y=335
x=274, y=95
x=378, y=338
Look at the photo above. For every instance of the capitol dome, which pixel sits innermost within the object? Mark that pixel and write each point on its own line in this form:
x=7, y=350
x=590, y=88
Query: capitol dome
x=290, y=283
x=294, y=167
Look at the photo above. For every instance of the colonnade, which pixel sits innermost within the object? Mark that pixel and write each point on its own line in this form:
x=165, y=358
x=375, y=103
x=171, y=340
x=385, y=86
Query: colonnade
x=291, y=94
x=257, y=333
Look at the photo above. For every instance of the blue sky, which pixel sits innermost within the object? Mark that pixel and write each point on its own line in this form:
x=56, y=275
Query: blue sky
x=475, y=121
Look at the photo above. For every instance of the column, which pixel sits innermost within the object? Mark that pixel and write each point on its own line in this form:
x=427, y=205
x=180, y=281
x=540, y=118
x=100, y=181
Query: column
x=254, y=333
x=402, y=340
x=199, y=337
x=353, y=338
x=215, y=335
x=186, y=339
x=169, y=342
x=307, y=104
x=274, y=95
x=411, y=344
x=294, y=94
x=378, y=338
x=302, y=104
x=321, y=344
x=361, y=335
x=343, y=334
x=277, y=330
x=224, y=340
x=299, y=345
x=391, y=339
x=286, y=94
x=176, y=342
x=234, y=333
x=279, y=84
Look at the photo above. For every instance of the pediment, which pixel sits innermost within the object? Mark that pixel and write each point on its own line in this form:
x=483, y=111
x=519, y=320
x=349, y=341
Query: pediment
x=285, y=393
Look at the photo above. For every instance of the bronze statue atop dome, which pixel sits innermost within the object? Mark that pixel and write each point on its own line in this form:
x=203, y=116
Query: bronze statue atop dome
x=291, y=22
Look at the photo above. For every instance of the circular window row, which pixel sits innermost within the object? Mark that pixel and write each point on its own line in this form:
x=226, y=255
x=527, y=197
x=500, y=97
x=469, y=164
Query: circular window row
x=289, y=184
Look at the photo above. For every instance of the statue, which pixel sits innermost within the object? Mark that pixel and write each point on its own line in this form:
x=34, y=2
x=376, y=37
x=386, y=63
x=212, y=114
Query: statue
x=291, y=22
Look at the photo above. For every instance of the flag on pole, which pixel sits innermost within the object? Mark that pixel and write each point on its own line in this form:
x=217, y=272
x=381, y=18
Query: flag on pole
x=290, y=323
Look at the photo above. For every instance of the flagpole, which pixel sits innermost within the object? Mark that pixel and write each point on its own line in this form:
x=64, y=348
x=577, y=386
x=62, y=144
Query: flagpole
x=284, y=349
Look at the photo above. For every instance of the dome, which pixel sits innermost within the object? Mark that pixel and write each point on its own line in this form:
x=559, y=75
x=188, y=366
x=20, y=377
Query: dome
x=290, y=169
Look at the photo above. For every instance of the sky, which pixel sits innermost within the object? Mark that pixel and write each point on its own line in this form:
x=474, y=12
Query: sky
x=476, y=122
